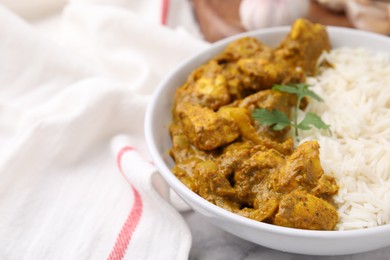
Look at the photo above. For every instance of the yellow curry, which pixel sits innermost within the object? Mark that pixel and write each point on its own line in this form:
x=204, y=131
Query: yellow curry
x=229, y=159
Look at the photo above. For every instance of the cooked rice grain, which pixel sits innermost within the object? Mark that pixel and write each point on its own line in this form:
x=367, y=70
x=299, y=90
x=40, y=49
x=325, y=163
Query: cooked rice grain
x=356, y=95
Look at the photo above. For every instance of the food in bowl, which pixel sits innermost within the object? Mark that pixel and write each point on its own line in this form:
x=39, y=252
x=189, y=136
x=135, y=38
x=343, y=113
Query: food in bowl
x=228, y=158
x=312, y=242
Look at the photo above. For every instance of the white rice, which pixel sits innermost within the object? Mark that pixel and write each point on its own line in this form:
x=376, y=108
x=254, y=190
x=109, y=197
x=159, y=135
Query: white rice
x=356, y=95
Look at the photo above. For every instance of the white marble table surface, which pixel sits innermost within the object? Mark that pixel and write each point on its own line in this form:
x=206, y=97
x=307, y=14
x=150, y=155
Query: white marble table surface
x=211, y=243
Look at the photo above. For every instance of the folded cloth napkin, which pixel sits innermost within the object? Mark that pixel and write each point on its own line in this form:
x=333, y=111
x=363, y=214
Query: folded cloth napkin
x=76, y=181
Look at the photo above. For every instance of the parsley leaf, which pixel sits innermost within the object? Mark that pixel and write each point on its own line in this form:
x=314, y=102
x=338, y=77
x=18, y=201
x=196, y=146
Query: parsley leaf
x=288, y=89
x=277, y=119
x=299, y=89
x=310, y=120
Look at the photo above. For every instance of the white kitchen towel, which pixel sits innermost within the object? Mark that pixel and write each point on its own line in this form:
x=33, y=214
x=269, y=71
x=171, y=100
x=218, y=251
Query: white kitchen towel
x=71, y=185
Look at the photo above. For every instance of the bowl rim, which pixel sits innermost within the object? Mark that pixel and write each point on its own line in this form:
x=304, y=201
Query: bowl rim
x=184, y=191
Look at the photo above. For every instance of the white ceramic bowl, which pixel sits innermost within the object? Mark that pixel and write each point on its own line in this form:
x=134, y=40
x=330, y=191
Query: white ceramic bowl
x=158, y=118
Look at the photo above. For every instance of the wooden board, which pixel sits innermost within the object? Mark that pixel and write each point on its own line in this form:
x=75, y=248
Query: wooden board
x=220, y=18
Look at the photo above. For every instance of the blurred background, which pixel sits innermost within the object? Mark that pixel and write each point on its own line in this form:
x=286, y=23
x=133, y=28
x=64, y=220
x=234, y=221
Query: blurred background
x=213, y=20
x=220, y=18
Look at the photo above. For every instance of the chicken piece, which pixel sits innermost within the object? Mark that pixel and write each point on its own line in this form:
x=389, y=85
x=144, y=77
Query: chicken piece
x=253, y=172
x=232, y=156
x=205, y=86
x=264, y=73
x=181, y=147
x=302, y=169
x=303, y=46
x=184, y=171
x=236, y=81
x=246, y=47
x=242, y=118
x=205, y=128
x=239, y=83
x=213, y=185
x=248, y=66
x=300, y=209
x=262, y=213
x=248, y=132
x=261, y=73
x=269, y=99
x=326, y=187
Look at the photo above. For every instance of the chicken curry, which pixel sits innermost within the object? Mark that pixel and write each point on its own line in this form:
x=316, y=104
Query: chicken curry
x=229, y=159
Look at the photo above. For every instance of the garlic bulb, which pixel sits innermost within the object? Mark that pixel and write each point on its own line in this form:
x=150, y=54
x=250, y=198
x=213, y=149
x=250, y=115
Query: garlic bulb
x=257, y=14
x=370, y=15
x=334, y=5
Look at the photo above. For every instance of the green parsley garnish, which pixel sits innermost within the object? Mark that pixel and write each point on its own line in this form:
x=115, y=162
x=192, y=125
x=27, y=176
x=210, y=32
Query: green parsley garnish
x=278, y=120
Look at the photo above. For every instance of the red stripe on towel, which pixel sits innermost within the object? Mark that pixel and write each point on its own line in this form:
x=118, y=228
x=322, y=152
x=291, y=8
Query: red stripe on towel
x=164, y=11
x=125, y=235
